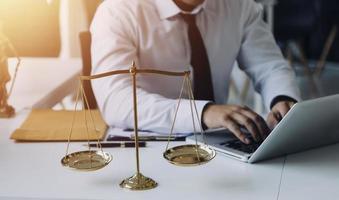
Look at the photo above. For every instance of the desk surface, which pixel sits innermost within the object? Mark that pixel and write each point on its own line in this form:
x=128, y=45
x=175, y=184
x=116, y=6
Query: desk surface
x=33, y=170
x=43, y=82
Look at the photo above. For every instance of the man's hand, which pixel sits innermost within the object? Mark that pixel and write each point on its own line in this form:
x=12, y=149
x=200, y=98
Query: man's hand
x=233, y=118
x=279, y=110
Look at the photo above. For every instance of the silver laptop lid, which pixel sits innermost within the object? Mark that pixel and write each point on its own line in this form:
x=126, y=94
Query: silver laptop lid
x=309, y=124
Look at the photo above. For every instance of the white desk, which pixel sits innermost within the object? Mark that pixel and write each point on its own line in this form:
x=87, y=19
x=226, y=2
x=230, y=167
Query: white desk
x=33, y=170
x=43, y=82
x=312, y=175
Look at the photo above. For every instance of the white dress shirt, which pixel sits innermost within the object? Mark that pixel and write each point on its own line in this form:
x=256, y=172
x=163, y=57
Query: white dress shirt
x=152, y=33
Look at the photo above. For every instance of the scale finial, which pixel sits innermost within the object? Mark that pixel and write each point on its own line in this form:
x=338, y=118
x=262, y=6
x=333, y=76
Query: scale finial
x=133, y=68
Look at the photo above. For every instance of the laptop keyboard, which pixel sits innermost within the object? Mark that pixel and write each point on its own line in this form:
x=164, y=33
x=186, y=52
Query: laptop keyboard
x=238, y=145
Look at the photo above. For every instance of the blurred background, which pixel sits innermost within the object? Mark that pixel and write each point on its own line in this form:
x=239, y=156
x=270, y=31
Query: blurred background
x=46, y=28
x=306, y=31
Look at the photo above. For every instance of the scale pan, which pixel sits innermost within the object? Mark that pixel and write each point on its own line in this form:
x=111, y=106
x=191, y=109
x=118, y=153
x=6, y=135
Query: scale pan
x=189, y=155
x=86, y=160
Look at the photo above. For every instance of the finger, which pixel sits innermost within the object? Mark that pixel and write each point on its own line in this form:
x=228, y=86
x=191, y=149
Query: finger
x=290, y=104
x=258, y=120
x=248, y=124
x=272, y=120
x=231, y=125
x=277, y=115
x=282, y=108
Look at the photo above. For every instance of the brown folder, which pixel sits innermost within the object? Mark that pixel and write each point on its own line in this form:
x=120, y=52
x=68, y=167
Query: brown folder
x=51, y=125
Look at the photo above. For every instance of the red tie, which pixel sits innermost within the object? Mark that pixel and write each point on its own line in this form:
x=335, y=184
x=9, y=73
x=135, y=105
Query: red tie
x=203, y=87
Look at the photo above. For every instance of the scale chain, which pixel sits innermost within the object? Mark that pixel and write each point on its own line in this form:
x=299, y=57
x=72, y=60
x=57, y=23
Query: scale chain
x=176, y=112
x=92, y=118
x=75, y=108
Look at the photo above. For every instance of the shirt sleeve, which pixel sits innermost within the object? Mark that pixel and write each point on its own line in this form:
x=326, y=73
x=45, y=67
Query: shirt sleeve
x=114, y=47
x=261, y=58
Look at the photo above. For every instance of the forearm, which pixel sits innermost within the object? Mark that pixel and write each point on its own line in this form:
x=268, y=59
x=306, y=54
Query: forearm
x=262, y=60
x=155, y=113
x=282, y=82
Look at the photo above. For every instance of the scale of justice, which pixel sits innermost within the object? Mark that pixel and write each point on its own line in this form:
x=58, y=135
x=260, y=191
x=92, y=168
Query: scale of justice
x=184, y=155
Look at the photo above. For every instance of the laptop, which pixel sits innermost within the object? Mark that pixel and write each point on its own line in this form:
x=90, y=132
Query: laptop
x=309, y=124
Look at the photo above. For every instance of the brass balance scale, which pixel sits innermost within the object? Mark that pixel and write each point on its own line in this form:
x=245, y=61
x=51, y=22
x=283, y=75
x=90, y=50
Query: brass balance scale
x=184, y=155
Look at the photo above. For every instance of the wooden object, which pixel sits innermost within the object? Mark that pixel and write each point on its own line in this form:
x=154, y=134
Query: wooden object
x=51, y=125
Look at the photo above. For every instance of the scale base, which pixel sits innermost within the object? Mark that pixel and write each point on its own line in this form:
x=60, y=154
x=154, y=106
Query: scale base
x=7, y=111
x=138, y=182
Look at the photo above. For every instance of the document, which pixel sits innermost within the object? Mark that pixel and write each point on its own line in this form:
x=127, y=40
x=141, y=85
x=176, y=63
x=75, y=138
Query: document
x=51, y=125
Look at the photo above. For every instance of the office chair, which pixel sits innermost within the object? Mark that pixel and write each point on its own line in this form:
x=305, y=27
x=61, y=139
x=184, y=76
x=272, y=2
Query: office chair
x=329, y=18
x=295, y=21
x=85, y=45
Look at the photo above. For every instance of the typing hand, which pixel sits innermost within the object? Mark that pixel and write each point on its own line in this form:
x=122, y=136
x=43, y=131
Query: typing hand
x=278, y=111
x=233, y=118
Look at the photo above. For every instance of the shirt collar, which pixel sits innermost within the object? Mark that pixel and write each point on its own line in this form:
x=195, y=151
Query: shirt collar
x=167, y=8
